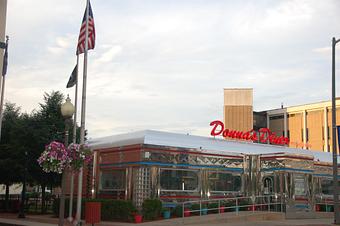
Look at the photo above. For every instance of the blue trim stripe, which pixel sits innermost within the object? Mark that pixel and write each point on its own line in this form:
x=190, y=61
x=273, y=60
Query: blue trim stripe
x=171, y=164
x=287, y=169
x=325, y=175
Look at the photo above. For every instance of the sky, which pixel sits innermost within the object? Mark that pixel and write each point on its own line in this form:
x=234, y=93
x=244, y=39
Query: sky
x=163, y=65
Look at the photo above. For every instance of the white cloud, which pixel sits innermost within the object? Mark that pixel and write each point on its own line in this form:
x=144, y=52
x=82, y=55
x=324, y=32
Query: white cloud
x=110, y=54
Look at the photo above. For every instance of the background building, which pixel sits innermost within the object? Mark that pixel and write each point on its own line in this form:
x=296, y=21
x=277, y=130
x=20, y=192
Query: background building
x=238, y=109
x=307, y=126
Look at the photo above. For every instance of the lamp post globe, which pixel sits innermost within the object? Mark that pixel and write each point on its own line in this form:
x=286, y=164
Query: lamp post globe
x=67, y=108
x=67, y=111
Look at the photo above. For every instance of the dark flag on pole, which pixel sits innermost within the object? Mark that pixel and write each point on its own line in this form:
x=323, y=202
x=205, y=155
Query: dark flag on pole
x=5, y=62
x=91, y=33
x=73, y=78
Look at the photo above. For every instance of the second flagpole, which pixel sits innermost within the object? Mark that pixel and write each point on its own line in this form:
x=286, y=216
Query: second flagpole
x=74, y=141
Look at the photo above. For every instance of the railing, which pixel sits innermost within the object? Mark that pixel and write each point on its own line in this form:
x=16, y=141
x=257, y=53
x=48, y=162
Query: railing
x=270, y=203
x=32, y=204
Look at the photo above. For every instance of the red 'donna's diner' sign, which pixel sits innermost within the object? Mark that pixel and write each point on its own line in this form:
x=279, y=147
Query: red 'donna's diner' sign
x=264, y=135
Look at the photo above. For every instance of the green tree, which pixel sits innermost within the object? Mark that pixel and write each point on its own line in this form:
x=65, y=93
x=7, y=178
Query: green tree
x=30, y=133
x=10, y=158
x=49, y=126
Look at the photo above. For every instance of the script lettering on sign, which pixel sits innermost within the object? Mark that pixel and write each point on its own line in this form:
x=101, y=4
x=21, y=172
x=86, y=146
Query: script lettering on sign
x=264, y=135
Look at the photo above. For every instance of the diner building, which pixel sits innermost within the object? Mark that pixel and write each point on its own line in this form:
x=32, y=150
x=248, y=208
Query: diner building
x=180, y=167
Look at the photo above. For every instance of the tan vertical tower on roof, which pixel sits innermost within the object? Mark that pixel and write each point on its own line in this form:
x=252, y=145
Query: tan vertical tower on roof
x=238, y=109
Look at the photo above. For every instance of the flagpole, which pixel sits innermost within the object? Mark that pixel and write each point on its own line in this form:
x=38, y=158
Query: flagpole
x=3, y=89
x=74, y=142
x=82, y=121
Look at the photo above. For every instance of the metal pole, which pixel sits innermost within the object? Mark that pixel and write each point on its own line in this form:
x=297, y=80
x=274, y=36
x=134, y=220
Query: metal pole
x=63, y=182
x=335, y=160
x=2, y=92
x=74, y=141
x=83, y=108
x=3, y=13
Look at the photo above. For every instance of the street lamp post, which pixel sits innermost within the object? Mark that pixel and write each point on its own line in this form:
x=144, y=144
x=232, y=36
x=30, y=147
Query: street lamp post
x=67, y=110
x=335, y=156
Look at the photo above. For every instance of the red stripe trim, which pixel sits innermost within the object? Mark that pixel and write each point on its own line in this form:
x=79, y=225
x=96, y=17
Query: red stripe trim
x=289, y=157
x=319, y=164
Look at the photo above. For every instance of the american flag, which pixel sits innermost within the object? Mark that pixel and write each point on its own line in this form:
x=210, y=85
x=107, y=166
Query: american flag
x=92, y=33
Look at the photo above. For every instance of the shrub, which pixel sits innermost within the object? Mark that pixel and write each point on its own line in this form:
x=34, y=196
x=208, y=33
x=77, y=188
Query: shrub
x=214, y=207
x=196, y=208
x=151, y=209
x=178, y=211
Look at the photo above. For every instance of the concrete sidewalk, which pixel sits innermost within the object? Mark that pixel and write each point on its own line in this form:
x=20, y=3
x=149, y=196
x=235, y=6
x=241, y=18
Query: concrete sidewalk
x=226, y=219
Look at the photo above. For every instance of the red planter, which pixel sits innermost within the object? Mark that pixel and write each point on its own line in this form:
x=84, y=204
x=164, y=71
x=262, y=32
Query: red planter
x=251, y=208
x=92, y=212
x=317, y=208
x=221, y=209
x=186, y=213
x=138, y=219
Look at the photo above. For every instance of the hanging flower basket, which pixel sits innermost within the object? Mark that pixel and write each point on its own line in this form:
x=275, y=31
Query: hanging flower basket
x=79, y=156
x=55, y=158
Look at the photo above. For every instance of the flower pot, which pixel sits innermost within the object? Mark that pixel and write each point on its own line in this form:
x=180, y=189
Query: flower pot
x=251, y=208
x=138, y=218
x=166, y=214
x=317, y=208
x=329, y=208
x=221, y=209
x=204, y=211
x=186, y=213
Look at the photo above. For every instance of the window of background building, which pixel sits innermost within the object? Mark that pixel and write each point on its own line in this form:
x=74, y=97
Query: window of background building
x=112, y=180
x=224, y=182
x=179, y=180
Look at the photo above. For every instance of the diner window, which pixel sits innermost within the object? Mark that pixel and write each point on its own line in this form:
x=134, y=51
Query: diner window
x=179, y=180
x=112, y=180
x=326, y=186
x=300, y=185
x=219, y=181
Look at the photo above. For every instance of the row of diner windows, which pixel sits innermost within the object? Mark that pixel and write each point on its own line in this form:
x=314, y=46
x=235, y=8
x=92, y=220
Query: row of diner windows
x=176, y=180
x=325, y=185
x=188, y=180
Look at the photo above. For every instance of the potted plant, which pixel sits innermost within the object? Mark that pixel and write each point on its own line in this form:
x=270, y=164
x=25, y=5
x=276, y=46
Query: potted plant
x=187, y=212
x=204, y=209
x=138, y=217
x=166, y=213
